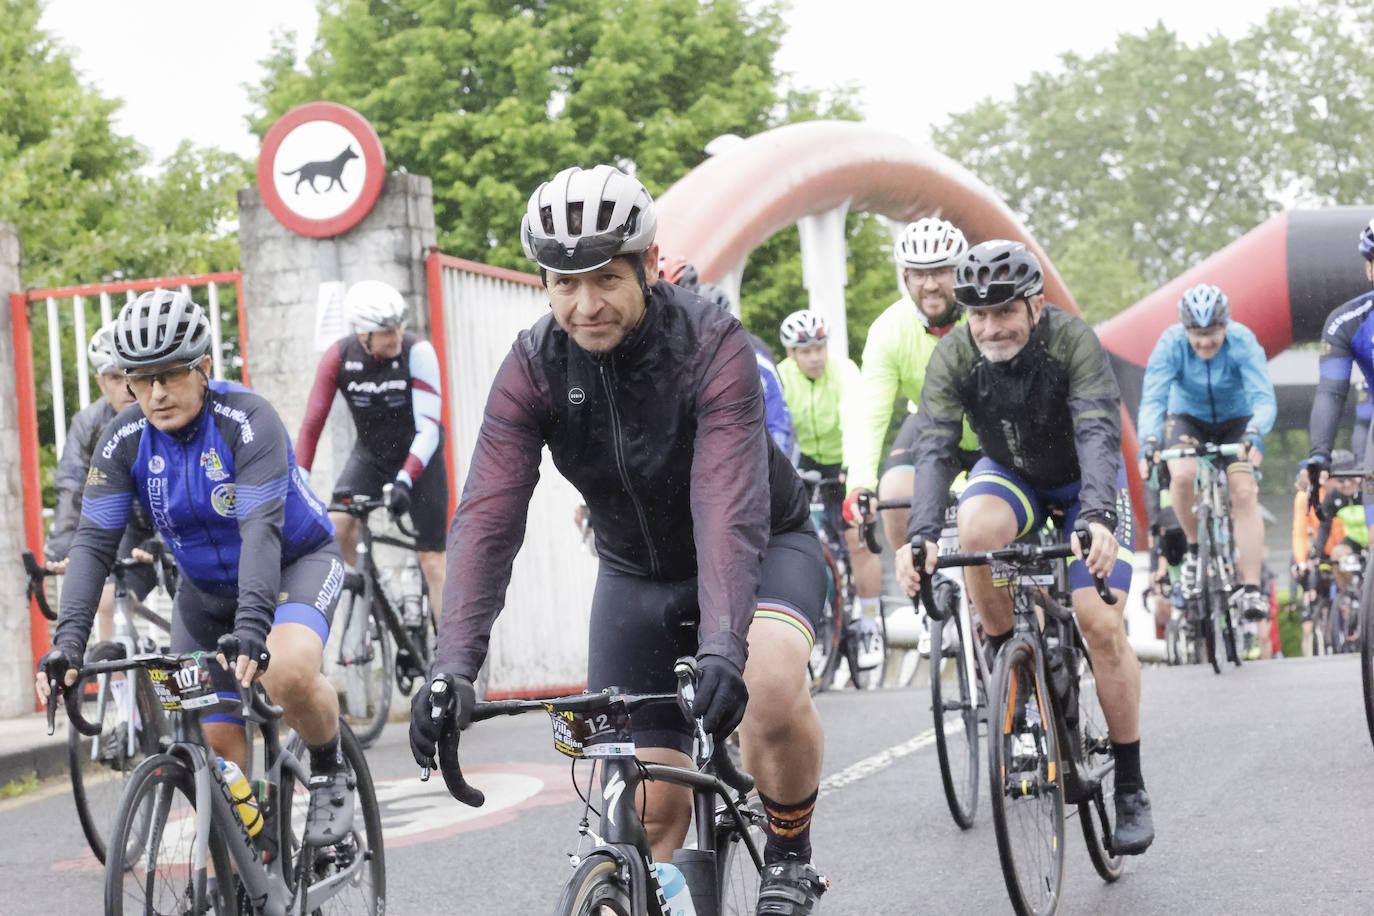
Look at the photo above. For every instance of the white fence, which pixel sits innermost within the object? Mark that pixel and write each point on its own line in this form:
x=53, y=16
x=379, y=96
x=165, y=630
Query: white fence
x=540, y=640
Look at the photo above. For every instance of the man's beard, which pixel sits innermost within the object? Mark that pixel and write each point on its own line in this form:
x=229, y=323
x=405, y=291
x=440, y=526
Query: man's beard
x=1000, y=351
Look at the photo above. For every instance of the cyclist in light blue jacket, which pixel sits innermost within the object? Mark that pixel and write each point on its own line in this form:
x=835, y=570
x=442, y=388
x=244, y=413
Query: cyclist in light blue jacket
x=1208, y=381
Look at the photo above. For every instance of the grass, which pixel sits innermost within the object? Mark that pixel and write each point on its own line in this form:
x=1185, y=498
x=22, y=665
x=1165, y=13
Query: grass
x=19, y=787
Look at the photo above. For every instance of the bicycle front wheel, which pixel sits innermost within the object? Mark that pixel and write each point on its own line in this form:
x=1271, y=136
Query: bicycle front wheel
x=150, y=866
x=1027, y=786
x=369, y=666
x=957, y=734
x=1367, y=645
x=597, y=888
x=1096, y=815
x=350, y=876
x=739, y=876
x=131, y=723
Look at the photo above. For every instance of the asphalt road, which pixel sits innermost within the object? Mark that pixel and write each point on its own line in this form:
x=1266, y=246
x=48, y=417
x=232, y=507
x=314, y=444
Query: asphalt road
x=1262, y=781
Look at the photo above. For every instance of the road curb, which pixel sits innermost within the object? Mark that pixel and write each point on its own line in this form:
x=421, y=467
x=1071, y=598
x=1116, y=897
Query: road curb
x=46, y=760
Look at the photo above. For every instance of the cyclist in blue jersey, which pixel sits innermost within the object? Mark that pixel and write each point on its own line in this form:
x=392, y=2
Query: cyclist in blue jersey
x=1208, y=381
x=212, y=466
x=1347, y=340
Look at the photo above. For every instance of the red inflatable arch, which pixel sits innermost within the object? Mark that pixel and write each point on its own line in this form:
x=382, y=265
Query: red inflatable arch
x=731, y=203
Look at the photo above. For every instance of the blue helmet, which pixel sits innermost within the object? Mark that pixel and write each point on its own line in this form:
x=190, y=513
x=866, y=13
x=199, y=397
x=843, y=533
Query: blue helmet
x=1367, y=241
x=1203, y=306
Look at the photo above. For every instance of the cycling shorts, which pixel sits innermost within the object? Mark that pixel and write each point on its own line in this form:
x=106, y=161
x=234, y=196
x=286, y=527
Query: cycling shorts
x=1032, y=506
x=308, y=594
x=1184, y=431
x=641, y=626
x=365, y=475
x=902, y=456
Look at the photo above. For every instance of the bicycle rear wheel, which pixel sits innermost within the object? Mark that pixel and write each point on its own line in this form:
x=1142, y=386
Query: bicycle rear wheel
x=825, y=654
x=597, y=888
x=1367, y=645
x=131, y=726
x=957, y=736
x=739, y=876
x=352, y=870
x=1027, y=789
x=1096, y=815
x=151, y=864
x=369, y=665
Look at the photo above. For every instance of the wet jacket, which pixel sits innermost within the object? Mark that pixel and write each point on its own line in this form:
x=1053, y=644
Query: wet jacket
x=663, y=436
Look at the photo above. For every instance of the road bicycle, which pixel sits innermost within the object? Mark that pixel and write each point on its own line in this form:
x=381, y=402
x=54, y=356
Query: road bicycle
x=1048, y=744
x=180, y=843
x=131, y=724
x=379, y=610
x=616, y=875
x=1365, y=611
x=1210, y=612
x=844, y=630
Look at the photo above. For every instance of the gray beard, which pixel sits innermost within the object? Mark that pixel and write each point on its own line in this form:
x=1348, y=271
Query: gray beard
x=1001, y=356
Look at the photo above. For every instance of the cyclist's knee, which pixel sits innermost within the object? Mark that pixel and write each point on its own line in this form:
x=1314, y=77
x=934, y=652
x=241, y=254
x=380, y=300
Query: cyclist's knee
x=985, y=523
x=897, y=483
x=1182, y=474
x=295, y=664
x=1244, y=491
x=1102, y=624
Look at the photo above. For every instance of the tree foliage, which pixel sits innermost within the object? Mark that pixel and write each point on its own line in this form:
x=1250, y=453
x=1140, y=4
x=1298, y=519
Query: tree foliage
x=1133, y=165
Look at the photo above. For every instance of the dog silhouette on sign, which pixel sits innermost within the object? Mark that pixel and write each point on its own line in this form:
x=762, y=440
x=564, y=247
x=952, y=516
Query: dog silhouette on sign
x=328, y=168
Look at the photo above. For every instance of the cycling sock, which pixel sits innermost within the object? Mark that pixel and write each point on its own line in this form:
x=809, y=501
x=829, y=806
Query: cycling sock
x=325, y=757
x=789, y=828
x=1252, y=589
x=1127, y=754
x=1192, y=549
x=871, y=606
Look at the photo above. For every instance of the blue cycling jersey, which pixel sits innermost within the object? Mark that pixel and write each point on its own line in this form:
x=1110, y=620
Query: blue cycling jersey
x=1347, y=340
x=777, y=416
x=1233, y=383
x=223, y=492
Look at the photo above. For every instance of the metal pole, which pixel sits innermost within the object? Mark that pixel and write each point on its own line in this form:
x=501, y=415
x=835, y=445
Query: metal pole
x=83, y=372
x=59, y=407
x=217, y=351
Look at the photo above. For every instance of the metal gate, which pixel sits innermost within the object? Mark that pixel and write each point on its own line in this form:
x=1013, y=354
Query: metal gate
x=540, y=640
x=72, y=313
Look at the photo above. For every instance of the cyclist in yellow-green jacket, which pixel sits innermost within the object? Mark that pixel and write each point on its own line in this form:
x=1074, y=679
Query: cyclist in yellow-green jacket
x=820, y=392
x=895, y=357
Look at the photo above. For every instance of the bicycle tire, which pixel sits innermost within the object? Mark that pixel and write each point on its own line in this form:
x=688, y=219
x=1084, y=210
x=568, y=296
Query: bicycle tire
x=370, y=890
x=1367, y=644
x=366, y=701
x=825, y=654
x=957, y=751
x=1097, y=815
x=1024, y=806
x=97, y=800
x=1206, y=595
x=597, y=888
x=738, y=878
x=147, y=806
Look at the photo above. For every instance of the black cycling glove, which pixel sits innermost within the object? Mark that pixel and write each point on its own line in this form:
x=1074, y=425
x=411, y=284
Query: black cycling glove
x=63, y=658
x=424, y=728
x=399, y=501
x=721, y=695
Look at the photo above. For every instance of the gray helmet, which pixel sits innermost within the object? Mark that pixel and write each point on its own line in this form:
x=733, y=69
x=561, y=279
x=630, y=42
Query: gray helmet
x=717, y=294
x=996, y=272
x=100, y=353
x=583, y=218
x=160, y=326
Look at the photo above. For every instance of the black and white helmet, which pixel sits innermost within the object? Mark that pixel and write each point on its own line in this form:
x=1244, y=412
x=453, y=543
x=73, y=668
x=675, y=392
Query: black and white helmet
x=583, y=218
x=372, y=305
x=995, y=272
x=803, y=329
x=160, y=326
x=930, y=243
x=101, y=351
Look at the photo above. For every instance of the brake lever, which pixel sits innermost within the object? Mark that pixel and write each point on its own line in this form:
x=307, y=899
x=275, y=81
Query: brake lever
x=1085, y=540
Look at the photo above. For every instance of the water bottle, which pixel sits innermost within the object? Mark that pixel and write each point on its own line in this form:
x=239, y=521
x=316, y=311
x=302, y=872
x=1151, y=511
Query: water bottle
x=411, y=610
x=242, y=794
x=675, y=891
x=388, y=583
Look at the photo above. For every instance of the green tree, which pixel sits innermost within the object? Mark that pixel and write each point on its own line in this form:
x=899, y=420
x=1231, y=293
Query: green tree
x=1133, y=165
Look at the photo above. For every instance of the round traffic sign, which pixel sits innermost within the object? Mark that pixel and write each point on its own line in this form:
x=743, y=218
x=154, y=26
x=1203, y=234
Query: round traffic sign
x=321, y=169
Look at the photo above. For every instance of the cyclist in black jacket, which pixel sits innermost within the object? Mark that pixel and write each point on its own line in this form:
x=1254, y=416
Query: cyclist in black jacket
x=1036, y=387
x=649, y=401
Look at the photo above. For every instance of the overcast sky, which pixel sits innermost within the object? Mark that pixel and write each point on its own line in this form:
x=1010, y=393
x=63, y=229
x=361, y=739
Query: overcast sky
x=180, y=65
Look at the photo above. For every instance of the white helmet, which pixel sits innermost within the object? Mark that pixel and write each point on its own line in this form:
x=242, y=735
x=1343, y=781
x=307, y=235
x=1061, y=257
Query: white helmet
x=929, y=243
x=101, y=352
x=160, y=326
x=583, y=218
x=804, y=329
x=372, y=305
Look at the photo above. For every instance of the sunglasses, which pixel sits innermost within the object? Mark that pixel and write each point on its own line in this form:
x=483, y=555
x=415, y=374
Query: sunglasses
x=143, y=382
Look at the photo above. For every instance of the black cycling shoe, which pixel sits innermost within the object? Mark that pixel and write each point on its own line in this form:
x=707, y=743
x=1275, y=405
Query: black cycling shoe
x=331, y=807
x=790, y=888
x=1135, y=828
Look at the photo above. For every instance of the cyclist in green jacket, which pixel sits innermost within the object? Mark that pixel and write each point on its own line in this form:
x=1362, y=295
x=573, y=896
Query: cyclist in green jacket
x=895, y=357
x=819, y=393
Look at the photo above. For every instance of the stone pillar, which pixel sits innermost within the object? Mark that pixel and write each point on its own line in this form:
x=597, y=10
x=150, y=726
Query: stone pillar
x=282, y=272
x=825, y=272
x=16, y=662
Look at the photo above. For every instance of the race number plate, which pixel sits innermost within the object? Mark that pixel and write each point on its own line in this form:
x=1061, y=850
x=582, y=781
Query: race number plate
x=183, y=687
x=602, y=733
